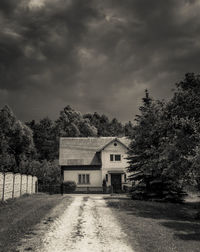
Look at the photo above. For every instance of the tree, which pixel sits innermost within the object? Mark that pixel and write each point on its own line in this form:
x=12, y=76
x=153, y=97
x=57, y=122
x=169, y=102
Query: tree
x=151, y=159
x=44, y=136
x=71, y=123
x=86, y=129
x=184, y=107
x=100, y=122
x=47, y=172
x=16, y=141
x=104, y=126
x=115, y=128
x=128, y=129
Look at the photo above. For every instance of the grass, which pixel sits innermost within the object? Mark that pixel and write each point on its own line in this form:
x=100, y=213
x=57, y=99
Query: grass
x=158, y=227
x=19, y=216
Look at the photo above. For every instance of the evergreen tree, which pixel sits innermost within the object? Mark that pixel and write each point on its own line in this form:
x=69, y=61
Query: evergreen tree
x=149, y=158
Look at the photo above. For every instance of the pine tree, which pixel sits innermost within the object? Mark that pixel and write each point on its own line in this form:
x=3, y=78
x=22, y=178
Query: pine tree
x=148, y=157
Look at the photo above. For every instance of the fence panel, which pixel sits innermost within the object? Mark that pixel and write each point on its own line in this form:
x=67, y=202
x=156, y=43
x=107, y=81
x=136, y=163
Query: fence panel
x=29, y=187
x=17, y=185
x=8, y=189
x=24, y=184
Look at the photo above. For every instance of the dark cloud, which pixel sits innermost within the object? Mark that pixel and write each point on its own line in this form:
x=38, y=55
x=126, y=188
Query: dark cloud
x=94, y=55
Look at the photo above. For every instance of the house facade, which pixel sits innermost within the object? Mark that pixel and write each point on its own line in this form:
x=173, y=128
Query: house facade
x=88, y=161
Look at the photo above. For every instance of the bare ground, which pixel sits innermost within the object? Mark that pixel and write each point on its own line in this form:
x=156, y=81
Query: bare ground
x=86, y=225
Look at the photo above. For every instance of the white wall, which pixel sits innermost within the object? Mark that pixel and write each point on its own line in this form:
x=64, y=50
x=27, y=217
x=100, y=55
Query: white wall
x=108, y=165
x=95, y=177
x=14, y=185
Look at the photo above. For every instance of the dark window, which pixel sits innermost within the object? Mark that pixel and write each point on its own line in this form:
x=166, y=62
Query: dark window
x=115, y=144
x=84, y=178
x=111, y=157
x=117, y=157
x=124, y=177
x=106, y=177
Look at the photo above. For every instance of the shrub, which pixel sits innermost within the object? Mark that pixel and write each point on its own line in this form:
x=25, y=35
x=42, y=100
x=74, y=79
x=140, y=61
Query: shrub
x=69, y=186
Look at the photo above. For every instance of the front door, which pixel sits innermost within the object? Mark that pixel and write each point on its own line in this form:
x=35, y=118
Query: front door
x=116, y=182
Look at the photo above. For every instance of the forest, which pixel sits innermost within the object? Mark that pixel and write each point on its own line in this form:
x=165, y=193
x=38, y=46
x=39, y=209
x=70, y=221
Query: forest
x=163, y=156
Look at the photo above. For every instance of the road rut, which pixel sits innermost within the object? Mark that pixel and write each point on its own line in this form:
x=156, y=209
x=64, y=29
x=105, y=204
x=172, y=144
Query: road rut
x=87, y=224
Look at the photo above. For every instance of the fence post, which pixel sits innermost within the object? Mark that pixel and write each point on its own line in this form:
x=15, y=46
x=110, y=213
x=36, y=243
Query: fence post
x=3, y=186
x=13, y=191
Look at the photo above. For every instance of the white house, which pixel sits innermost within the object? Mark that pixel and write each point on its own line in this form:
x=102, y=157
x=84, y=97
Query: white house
x=90, y=160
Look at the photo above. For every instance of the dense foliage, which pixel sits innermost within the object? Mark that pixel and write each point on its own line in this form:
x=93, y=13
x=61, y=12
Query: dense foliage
x=16, y=142
x=164, y=151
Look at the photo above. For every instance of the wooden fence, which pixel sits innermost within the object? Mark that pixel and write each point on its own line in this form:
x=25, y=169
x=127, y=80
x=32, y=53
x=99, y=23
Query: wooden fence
x=14, y=185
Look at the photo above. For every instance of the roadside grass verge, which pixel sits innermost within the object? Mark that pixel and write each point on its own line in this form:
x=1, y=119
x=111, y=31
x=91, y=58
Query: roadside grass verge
x=20, y=215
x=154, y=226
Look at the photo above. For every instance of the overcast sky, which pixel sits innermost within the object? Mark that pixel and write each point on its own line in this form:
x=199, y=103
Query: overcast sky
x=94, y=55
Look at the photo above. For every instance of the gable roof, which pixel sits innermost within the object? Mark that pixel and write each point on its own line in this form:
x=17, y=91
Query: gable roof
x=85, y=150
x=125, y=142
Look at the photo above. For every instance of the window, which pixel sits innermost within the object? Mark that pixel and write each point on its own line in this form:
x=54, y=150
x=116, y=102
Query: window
x=84, y=178
x=106, y=177
x=115, y=157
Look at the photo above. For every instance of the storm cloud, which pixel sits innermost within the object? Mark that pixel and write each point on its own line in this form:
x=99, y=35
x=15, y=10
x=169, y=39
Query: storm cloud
x=94, y=55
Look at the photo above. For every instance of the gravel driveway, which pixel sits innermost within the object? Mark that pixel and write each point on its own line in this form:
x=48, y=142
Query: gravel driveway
x=87, y=224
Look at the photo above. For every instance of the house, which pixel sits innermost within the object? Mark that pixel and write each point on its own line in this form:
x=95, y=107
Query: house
x=90, y=160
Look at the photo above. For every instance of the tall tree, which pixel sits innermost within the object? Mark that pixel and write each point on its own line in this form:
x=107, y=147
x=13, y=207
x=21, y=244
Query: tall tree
x=149, y=158
x=16, y=140
x=184, y=109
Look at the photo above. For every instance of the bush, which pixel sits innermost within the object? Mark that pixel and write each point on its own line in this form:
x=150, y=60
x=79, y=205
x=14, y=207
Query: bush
x=69, y=186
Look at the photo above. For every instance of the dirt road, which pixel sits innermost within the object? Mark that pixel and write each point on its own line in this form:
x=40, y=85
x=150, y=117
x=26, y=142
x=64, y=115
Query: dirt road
x=87, y=224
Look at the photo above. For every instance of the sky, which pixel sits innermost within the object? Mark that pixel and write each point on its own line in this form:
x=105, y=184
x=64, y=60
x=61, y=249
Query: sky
x=94, y=55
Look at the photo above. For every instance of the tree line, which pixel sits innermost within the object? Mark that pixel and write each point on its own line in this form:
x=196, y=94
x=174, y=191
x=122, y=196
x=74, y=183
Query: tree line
x=32, y=147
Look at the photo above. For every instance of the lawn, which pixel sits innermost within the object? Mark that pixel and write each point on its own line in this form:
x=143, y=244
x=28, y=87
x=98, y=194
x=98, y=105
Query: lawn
x=154, y=226
x=19, y=216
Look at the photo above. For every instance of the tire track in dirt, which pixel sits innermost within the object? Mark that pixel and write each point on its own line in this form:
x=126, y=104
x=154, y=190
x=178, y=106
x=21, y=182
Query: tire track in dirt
x=87, y=224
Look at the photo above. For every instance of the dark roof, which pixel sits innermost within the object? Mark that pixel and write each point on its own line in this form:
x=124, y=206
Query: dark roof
x=85, y=150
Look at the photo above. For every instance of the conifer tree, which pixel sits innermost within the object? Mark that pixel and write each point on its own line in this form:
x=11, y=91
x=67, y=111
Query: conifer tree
x=154, y=176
